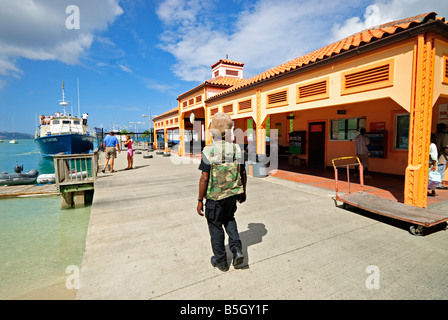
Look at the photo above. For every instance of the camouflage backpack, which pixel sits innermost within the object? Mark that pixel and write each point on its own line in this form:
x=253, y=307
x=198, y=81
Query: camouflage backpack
x=225, y=178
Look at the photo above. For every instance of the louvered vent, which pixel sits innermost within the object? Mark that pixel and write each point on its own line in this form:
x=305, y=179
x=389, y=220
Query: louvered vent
x=277, y=98
x=314, y=89
x=311, y=91
x=245, y=105
x=367, y=77
x=227, y=108
x=445, y=74
x=231, y=73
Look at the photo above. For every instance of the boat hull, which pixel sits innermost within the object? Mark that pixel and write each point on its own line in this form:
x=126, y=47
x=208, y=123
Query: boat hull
x=65, y=143
x=12, y=179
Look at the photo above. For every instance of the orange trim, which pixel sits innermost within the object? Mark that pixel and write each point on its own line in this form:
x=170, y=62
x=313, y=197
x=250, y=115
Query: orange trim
x=445, y=69
x=416, y=180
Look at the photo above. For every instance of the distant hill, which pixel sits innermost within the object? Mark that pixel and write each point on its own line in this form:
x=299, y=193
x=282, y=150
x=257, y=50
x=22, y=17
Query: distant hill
x=18, y=135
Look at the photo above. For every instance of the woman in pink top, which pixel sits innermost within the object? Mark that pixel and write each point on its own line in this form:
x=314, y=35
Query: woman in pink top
x=128, y=143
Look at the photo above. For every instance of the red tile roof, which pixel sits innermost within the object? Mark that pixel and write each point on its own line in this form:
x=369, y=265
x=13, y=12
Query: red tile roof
x=224, y=81
x=219, y=81
x=227, y=61
x=167, y=114
x=355, y=41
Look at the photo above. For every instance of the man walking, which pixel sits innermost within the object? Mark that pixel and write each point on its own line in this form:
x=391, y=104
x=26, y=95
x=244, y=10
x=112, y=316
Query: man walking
x=109, y=144
x=222, y=183
x=362, y=152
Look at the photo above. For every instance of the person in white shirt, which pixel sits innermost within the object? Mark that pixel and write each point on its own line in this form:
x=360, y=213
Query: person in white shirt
x=84, y=118
x=362, y=152
x=433, y=156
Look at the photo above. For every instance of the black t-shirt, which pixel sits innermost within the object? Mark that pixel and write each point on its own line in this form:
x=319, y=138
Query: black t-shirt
x=204, y=166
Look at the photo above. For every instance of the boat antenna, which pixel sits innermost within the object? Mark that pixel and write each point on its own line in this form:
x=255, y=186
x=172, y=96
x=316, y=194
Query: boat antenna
x=63, y=103
x=79, y=110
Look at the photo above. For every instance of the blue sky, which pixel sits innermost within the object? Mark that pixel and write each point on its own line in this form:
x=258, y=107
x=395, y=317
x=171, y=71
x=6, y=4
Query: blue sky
x=133, y=54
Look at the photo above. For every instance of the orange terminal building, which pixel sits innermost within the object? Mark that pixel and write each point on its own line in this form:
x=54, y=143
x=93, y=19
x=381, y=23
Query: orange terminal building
x=391, y=79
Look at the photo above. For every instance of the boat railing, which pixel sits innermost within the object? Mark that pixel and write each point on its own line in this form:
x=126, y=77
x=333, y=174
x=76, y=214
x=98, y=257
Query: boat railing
x=75, y=172
x=47, y=129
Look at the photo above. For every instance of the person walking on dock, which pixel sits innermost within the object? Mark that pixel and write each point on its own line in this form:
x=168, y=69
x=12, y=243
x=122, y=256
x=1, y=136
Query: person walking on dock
x=222, y=183
x=362, y=152
x=109, y=144
x=130, y=154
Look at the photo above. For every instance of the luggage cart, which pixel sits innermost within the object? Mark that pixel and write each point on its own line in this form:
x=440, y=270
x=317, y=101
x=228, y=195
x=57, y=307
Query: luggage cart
x=419, y=218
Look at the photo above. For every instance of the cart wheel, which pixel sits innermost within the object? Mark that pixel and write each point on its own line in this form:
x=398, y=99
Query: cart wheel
x=345, y=206
x=416, y=230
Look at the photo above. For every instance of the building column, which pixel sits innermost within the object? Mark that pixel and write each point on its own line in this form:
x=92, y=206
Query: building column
x=181, y=134
x=155, y=145
x=208, y=137
x=416, y=180
x=260, y=126
x=165, y=136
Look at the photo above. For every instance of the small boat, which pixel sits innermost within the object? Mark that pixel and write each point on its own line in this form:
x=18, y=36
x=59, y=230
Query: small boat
x=51, y=177
x=13, y=141
x=64, y=134
x=18, y=177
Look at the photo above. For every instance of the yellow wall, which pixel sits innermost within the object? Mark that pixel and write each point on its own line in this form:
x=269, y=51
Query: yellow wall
x=440, y=88
x=374, y=111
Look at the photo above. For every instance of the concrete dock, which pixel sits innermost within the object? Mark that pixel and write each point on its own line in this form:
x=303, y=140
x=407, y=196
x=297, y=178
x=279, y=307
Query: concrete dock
x=146, y=241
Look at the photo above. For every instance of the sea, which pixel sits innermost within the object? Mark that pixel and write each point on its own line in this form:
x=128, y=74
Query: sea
x=41, y=245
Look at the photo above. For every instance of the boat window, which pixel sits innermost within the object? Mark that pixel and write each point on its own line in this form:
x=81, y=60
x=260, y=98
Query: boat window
x=66, y=121
x=55, y=121
x=76, y=122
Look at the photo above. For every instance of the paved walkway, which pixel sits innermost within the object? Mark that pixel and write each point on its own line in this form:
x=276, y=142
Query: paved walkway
x=146, y=241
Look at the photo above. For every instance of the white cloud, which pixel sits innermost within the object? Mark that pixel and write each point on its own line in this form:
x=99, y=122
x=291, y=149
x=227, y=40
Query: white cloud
x=124, y=68
x=182, y=12
x=383, y=11
x=353, y=25
x=263, y=34
x=266, y=33
x=36, y=29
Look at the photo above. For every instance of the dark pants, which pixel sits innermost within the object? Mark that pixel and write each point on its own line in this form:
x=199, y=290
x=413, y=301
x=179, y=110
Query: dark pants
x=220, y=216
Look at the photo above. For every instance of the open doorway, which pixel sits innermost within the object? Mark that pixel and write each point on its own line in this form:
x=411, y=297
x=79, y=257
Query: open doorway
x=316, y=144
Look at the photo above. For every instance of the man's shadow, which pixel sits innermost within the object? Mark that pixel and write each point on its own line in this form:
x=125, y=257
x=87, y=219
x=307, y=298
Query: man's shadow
x=250, y=237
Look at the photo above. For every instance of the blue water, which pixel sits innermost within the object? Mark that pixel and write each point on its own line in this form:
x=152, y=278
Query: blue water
x=24, y=153
x=38, y=239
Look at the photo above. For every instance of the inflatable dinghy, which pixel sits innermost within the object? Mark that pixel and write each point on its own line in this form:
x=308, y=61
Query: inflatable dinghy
x=51, y=177
x=18, y=177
